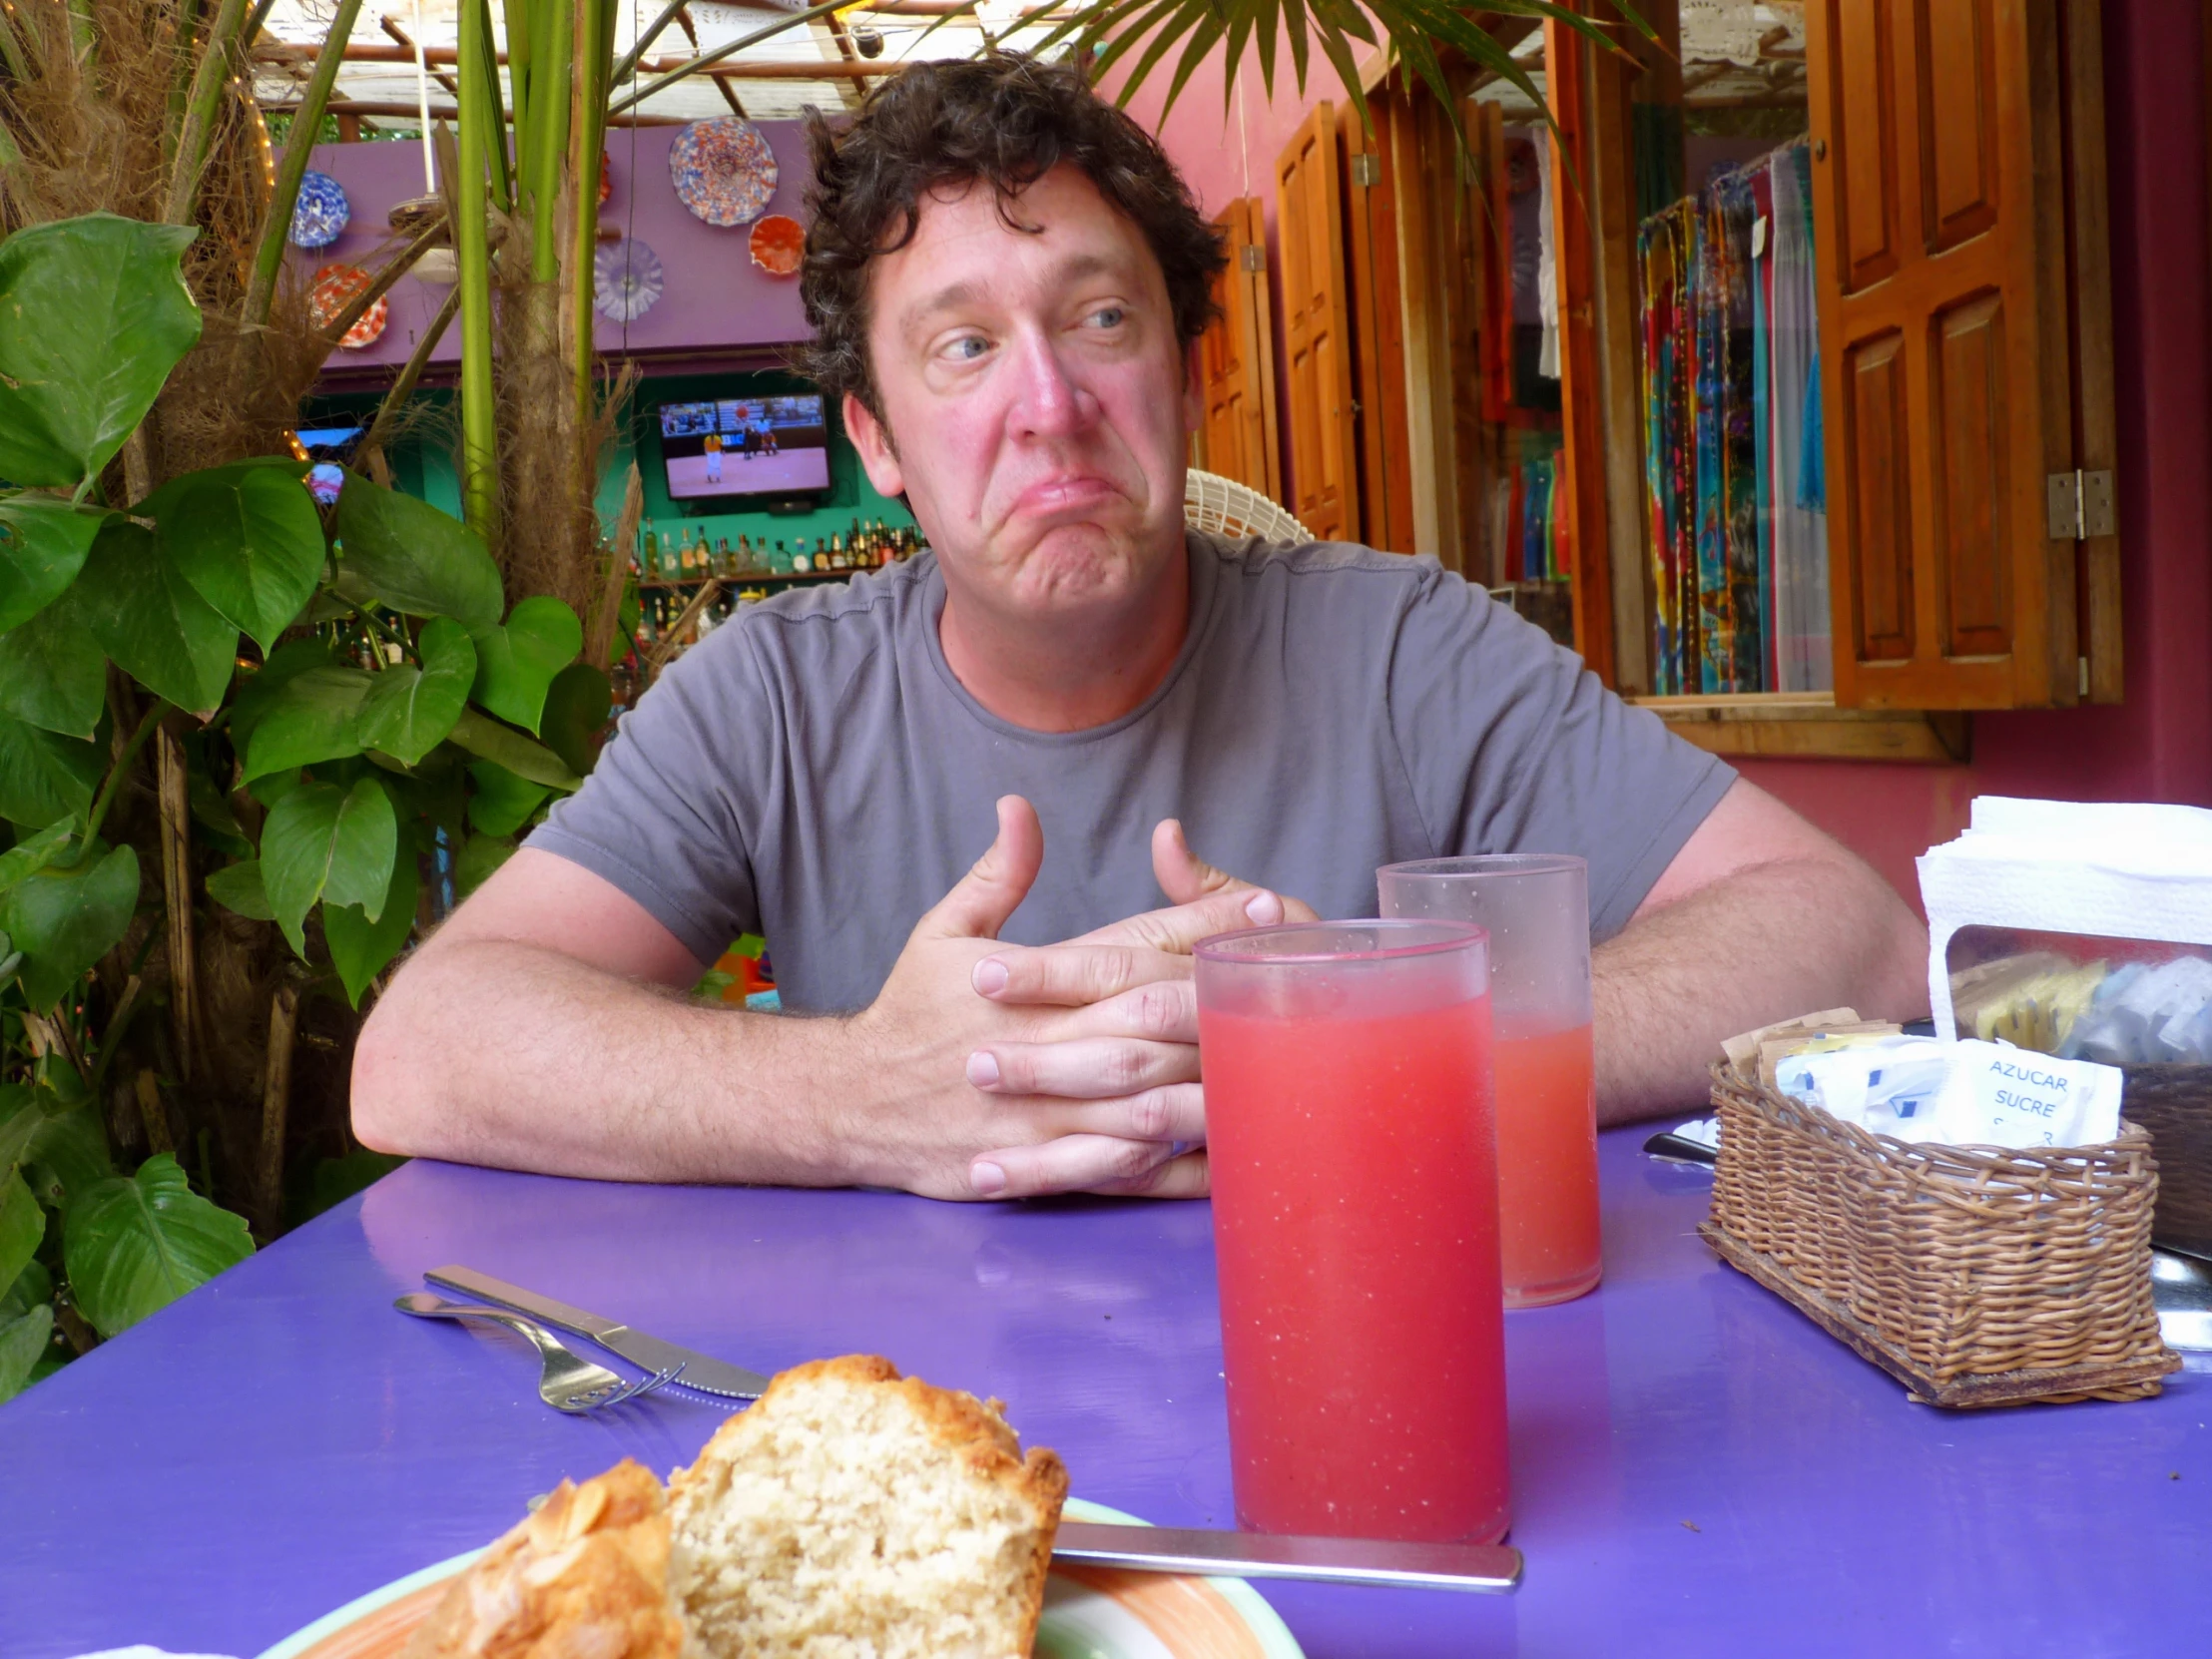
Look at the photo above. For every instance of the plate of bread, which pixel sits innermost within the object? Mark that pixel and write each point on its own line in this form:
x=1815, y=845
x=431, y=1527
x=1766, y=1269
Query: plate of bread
x=850, y=1513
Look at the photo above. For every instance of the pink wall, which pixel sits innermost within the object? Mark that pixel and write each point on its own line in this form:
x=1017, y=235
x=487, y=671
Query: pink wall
x=2158, y=745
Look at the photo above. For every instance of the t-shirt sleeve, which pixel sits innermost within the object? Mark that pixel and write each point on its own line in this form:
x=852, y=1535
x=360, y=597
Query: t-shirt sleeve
x=1511, y=745
x=665, y=814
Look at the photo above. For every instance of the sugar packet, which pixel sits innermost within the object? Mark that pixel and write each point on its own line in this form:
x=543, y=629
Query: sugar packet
x=1969, y=1093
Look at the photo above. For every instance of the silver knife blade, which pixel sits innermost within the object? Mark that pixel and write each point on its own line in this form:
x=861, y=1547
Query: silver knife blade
x=1483, y=1568
x=708, y=1375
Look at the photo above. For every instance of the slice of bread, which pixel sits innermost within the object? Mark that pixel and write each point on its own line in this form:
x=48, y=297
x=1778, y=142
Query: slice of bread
x=856, y=1514
x=585, y=1577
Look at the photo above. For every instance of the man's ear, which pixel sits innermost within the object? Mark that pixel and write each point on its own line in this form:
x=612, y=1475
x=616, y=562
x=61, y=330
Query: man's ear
x=873, y=442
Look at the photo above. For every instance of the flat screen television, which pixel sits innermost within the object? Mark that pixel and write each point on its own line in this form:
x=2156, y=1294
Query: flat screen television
x=328, y=448
x=776, y=446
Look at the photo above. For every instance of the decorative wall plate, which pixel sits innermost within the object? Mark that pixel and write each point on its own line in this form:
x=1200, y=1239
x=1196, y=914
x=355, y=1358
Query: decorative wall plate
x=627, y=279
x=723, y=171
x=318, y=217
x=337, y=286
x=778, y=244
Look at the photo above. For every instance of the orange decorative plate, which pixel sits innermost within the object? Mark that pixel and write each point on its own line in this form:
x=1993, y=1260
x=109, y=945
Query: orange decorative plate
x=337, y=286
x=776, y=244
x=1089, y=1613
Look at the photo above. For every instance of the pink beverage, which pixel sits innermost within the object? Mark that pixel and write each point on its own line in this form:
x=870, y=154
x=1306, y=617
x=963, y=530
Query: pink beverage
x=1537, y=912
x=1348, y=1090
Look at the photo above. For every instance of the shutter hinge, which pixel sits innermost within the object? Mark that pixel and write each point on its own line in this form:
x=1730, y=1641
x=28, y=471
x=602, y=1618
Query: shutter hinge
x=1253, y=256
x=1367, y=167
x=2081, y=505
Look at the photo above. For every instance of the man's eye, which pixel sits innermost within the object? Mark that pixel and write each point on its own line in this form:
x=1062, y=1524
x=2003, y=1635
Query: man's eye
x=1109, y=317
x=967, y=348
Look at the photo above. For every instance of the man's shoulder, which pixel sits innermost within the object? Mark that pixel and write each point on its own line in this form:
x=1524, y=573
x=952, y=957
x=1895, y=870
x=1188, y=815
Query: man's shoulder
x=1326, y=562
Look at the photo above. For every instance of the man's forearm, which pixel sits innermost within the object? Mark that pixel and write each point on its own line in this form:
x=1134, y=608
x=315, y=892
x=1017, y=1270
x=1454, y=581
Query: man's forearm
x=489, y=1051
x=1764, y=944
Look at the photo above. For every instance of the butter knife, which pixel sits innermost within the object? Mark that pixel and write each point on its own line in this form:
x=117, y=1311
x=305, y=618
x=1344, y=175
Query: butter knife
x=1485, y=1569
x=707, y=1375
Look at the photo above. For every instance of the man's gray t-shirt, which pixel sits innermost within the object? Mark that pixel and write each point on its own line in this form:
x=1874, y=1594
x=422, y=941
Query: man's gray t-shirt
x=814, y=772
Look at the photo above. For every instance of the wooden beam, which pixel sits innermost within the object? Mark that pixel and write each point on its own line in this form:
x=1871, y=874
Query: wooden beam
x=1611, y=181
x=1809, y=726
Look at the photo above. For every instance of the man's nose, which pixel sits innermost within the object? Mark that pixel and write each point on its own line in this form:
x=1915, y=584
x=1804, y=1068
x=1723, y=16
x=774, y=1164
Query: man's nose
x=1052, y=400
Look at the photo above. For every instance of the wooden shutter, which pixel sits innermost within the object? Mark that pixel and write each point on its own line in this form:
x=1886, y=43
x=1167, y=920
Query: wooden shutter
x=1310, y=232
x=1386, y=448
x=1947, y=392
x=1237, y=360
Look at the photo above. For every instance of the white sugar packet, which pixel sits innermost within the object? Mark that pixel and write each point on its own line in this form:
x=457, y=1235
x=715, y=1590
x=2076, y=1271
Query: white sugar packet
x=1959, y=1094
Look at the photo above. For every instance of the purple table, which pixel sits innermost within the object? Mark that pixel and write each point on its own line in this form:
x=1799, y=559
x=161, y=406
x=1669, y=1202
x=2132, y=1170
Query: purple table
x=1699, y=1469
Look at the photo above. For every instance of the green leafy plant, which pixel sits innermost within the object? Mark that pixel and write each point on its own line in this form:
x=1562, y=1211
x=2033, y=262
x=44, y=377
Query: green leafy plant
x=344, y=695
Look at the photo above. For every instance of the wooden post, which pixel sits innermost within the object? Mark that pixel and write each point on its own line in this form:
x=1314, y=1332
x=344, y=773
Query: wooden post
x=1612, y=187
x=1582, y=526
x=176, y=833
x=284, y=1018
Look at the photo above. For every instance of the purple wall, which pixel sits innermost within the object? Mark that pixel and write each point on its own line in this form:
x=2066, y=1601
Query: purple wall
x=715, y=299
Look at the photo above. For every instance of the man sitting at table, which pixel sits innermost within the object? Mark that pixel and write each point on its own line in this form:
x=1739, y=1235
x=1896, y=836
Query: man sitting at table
x=1007, y=282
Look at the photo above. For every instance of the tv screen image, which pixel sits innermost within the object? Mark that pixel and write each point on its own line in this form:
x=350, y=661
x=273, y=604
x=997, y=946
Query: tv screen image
x=745, y=446
x=328, y=447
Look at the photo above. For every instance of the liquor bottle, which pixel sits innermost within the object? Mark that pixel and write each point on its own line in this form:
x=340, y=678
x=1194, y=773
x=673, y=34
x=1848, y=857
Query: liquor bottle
x=745, y=552
x=652, y=554
x=837, y=559
x=782, y=560
x=671, y=562
x=726, y=563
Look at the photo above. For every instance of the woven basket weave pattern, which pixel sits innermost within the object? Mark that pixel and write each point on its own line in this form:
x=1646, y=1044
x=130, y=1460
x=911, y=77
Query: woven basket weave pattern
x=1228, y=508
x=1965, y=1263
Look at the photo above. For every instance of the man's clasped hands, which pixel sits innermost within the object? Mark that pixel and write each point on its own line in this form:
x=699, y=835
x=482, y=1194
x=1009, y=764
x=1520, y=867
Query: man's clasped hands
x=1081, y=1057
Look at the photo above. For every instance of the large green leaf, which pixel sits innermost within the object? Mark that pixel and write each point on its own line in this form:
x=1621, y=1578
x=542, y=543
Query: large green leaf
x=502, y=802
x=576, y=709
x=247, y=537
x=409, y=711
x=322, y=843
x=134, y=1244
x=43, y=543
x=257, y=692
x=34, y=852
x=359, y=948
x=153, y=622
x=44, y=776
x=478, y=858
x=53, y=672
x=94, y=315
x=414, y=557
x=22, y=1226
x=516, y=662
x=32, y=1286
x=23, y=1342
x=237, y=888
x=64, y=920
x=315, y=715
x=486, y=739
x=56, y=1146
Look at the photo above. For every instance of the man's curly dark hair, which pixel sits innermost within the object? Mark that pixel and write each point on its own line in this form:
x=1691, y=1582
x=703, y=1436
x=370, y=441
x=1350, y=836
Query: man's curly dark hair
x=1005, y=119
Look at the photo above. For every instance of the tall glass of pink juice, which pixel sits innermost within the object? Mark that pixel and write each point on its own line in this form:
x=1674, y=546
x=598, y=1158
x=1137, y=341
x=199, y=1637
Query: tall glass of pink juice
x=1347, y=1120
x=1536, y=909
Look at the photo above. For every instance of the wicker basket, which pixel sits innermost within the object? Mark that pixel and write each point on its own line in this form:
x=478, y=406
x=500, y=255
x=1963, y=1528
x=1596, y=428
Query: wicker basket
x=2174, y=1104
x=1976, y=1278
x=1228, y=508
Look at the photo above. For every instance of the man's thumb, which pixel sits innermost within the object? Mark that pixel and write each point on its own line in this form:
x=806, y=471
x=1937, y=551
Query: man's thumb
x=1182, y=876
x=982, y=900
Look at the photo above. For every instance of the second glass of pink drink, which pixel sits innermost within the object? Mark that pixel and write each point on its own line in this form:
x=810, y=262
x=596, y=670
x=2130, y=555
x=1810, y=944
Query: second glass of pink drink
x=1536, y=909
x=1347, y=1122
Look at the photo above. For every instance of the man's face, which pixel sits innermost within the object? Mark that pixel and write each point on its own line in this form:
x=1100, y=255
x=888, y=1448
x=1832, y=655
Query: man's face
x=1035, y=404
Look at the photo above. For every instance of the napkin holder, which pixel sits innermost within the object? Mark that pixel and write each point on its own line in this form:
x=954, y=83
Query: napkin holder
x=1976, y=1276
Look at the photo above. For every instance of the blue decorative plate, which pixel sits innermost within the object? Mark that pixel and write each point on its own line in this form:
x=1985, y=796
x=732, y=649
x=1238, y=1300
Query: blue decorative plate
x=627, y=279
x=319, y=217
x=723, y=171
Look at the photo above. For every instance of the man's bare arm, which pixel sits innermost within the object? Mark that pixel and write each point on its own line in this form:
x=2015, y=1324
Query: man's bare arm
x=1759, y=918
x=544, y=1028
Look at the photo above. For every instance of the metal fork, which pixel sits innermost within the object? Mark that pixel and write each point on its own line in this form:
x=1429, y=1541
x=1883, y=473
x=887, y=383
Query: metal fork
x=566, y=1382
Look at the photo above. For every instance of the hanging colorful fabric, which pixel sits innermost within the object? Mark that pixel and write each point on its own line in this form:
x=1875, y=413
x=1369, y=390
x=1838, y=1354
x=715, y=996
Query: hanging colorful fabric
x=336, y=287
x=319, y=217
x=627, y=279
x=723, y=171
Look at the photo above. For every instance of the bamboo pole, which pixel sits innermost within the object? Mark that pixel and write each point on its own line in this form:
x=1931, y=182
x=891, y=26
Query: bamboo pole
x=269, y=257
x=547, y=137
x=184, y=977
x=473, y=258
x=284, y=1024
x=193, y=137
x=594, y=45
